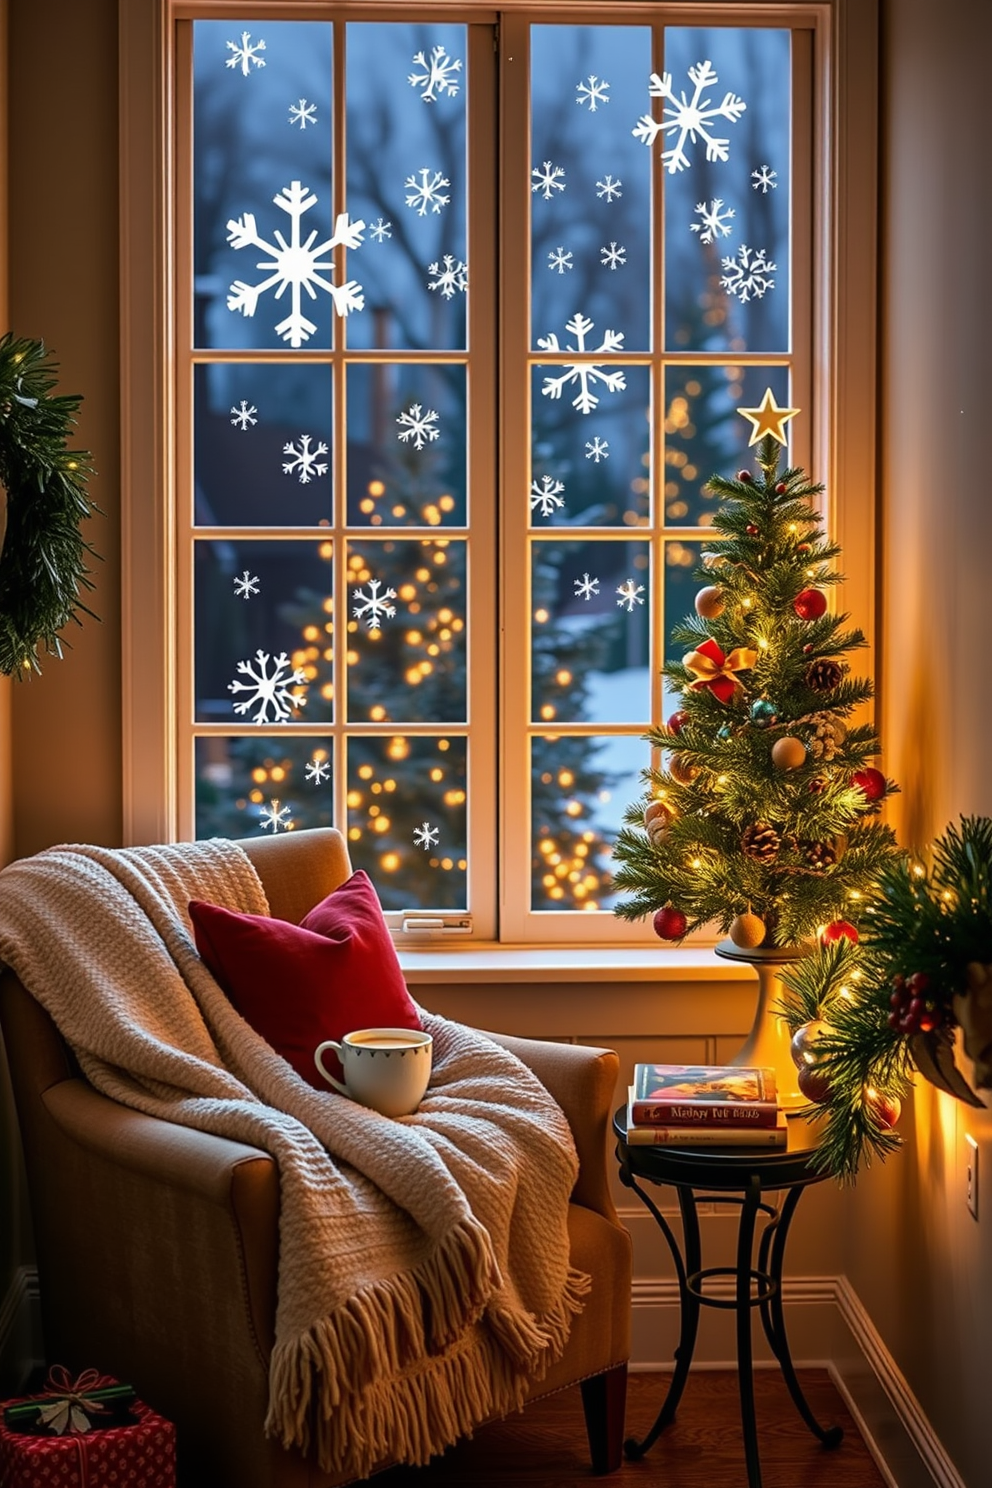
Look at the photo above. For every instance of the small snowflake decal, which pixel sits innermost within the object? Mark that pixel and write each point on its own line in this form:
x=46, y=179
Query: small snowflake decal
x=560, y=260
x=597, y=449
x=609, y=188
x=317, y=771
x=691, y=117
x=586, y=374
x=275, y=816
x=586, y=587
x=244, y=56
x=549, y=178
x=763, y=179
x=305, y=460
x=242, y=416
x=380, y=230
x=374, y=605
x=425, y=836
x=545, y=495
x=613, y=257
x=747, y=275
x=427, y=191
x=715, y=221
x=630, y=595
x=437, y=74
x=420, y=427
x=592, y=92
x=454, y=276
x=246, y=586
x=303, y=113
x=269, y=690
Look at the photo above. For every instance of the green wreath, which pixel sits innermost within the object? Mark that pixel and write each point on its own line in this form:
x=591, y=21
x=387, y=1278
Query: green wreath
x=42, y=563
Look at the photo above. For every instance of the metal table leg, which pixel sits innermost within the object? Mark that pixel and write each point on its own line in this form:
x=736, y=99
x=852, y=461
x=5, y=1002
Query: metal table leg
x=745, y=1370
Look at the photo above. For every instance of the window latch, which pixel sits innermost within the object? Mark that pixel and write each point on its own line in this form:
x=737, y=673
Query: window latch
x=418, y=924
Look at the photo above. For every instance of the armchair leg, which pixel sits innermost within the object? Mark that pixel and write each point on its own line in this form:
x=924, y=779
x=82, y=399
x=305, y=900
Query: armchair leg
x=603, y=1399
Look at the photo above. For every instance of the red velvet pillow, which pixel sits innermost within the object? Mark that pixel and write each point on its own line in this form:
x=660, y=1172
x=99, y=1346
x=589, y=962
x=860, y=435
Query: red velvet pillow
x=300, y=984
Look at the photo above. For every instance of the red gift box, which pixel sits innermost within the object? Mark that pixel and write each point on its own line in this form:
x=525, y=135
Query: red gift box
x=139, y=1455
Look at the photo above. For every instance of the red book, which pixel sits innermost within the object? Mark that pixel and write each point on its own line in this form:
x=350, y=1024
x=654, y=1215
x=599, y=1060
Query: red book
x=727, y=1095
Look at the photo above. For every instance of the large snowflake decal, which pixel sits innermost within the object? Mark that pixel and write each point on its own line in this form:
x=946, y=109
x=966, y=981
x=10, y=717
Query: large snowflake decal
x=747, y=275
x=560, y=260
x=454, y=276
x=630, y=595
x=609, y=188
x=303, y=113
x=425, y=836
x=243, y=416
x=275, y=816
x=715, y=221
x=374, y=606
x=763, y=179
x=418, y=426
x=269, y=689
x=689, y=118
x=427, y=191
x=549, y=178
x=592, y=92
x=295, y=265
x=437, y=75
x=586, y=374
x=305, y=460
x=317, y=771
x=247, y=585
x=585, y=587
x=545, y=495
x=245, y=56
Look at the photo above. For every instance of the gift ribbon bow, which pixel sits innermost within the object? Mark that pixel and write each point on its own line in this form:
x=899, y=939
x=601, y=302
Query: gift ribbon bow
x=714, y=670
x=70, y=1408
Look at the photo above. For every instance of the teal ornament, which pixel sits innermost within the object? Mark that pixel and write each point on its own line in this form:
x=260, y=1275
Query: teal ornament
x=764, y=713
x=725, y=732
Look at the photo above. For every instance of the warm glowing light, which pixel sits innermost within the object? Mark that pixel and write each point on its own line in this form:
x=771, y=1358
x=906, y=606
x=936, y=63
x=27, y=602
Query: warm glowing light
x=541, y=616
x=259, y=775
x=573, y=809
x=382, y=824
x=377, y=713
x=365, y=772
x=354, y=798
x=375, y=488
x=326, y=550
x=443, y=744
x=390, y=861
x=354, y=833
x=547, y=711
x=563, y=677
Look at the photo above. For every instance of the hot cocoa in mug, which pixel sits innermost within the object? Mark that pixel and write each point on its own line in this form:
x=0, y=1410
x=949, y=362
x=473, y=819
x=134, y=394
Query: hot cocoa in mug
x=387, y=1069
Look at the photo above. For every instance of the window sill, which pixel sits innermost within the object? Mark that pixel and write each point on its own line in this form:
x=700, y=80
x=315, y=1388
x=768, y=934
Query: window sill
x=509, y=963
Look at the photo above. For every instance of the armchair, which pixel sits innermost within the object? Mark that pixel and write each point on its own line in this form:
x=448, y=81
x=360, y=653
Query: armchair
x=157, y=1245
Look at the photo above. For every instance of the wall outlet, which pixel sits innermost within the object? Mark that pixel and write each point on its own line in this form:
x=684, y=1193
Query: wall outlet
x=971, y=1174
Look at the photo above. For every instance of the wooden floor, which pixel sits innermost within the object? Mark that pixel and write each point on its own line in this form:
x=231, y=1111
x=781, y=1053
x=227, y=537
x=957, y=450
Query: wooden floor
x=545, y=1446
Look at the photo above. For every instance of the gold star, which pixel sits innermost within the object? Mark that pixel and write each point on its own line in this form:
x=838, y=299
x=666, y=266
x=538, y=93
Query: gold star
x=768, y=418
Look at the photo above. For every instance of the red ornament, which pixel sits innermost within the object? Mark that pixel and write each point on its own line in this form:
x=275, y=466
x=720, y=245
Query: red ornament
x=670, y=923
x=813, y=1083
x=810, y=604
x=751, y=530
x=677, y=722
x=871, y=782
x=781, y=488
x=838, y=930
x=745, y=476
x=885, y=1108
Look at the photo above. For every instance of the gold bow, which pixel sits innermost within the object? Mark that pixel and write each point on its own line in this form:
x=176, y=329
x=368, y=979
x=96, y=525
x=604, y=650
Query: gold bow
x=714, y=670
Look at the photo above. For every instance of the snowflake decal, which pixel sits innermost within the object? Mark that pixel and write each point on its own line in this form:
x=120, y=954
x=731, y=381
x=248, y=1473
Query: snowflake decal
x=597, y=449
x=245, y=56
x=454, y=276
x=715, y=221
x=747, y=275
x=317, y=771
x=380, y=230
x=295, y=265
x=275, y=816
x=586, y=374
x=437, y=76
x=427, y=191
x=592, y=92
x=374, y=605
x=425, y=836
x=545, y=495
x=420, y=427
x=305, y=460
x=246, y=586
x=630, y=595
x=585, y=587
x=560, y=260
x=269, y=690
x=691, y=117
x=548, y=179
x=609, y=188
x=303, y=113
x=243, y=416
x=613, y=257
x=764, y=179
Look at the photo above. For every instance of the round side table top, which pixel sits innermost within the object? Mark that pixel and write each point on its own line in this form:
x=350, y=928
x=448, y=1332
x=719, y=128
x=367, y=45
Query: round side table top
x=724, y=1167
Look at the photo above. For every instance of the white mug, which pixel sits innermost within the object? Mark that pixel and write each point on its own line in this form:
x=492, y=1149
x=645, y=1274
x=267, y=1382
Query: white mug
x=385, y=1068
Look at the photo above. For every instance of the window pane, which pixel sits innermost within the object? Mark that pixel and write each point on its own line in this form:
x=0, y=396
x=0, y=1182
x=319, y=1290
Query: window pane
x=406, y=445
x=579, y=787
x=407, y=179
x=262, y=783
x=590, y=471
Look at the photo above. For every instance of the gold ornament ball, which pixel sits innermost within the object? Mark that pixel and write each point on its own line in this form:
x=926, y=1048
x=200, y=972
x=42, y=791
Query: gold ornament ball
x=658, y=830
x=788, y=753
x=747, y=931
x=680, y=769
x=710, y=602
x=656, y=811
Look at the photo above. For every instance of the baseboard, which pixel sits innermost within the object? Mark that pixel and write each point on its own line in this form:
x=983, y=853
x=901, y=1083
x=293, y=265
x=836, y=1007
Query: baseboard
x=21, y=1350
x=828, y=1328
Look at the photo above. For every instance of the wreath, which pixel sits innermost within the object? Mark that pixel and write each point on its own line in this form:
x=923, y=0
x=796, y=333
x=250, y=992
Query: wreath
x=42, y=551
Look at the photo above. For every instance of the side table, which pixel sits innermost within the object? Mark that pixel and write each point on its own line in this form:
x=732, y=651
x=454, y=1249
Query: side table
x=739, y=1176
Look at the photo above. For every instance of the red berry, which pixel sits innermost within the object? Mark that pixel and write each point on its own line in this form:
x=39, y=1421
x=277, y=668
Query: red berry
x=895, y=1022
x=751, y=530
x=781, y=488
x=745, y=476
x=898, y=980
x=670, y=923
x=896, y=999
x=917, y=1006
x=810, y=604
x=919, y=984
x=871, y=781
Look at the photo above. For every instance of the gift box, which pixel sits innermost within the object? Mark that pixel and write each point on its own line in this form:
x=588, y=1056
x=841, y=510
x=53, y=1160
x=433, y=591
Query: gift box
x=91, y=1432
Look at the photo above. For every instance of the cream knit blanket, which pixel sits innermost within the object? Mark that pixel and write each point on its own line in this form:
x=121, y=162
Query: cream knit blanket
x=424, y=1276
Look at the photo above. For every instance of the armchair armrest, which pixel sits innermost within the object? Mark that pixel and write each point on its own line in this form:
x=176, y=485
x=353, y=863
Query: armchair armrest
x=582, y=1080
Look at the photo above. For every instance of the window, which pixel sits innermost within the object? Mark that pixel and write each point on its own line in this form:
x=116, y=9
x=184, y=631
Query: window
x=454, y=323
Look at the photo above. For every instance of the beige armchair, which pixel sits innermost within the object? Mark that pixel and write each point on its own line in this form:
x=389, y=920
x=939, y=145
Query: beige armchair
x=157, y=1245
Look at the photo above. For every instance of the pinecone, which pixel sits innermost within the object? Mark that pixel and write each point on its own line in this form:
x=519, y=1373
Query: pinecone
x=823, y=675
x=761, y=841
x=827, y=737
x=818, y=855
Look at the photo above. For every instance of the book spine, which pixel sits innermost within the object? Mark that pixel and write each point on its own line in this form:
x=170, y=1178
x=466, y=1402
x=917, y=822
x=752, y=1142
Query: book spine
x=704, y=1113
x=705, y=1136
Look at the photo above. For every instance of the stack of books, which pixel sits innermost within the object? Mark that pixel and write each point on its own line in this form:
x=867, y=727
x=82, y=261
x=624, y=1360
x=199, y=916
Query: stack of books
x=702, y=1105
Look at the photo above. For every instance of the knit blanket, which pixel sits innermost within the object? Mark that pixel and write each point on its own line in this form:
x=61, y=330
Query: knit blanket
x=424, y=1277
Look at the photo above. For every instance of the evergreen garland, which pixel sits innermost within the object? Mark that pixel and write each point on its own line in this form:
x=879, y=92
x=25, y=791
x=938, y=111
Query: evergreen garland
x=42, y=564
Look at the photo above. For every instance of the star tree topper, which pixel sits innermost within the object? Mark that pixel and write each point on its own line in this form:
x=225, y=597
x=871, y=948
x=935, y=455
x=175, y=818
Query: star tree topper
x=768, y=418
